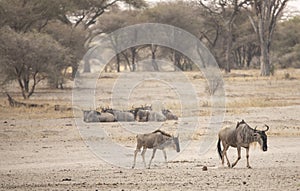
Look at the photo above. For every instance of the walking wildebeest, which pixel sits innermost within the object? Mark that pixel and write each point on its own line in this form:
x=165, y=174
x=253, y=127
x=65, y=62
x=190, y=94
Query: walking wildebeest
x=96, y=116
x=240, y=136
x=155, y=140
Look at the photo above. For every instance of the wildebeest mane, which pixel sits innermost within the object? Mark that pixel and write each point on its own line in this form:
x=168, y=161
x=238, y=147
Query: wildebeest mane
x=162, y=132
x=242, y=122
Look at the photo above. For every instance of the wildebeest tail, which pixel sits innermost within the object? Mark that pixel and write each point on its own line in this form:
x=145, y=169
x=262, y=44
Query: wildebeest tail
x=219, y=148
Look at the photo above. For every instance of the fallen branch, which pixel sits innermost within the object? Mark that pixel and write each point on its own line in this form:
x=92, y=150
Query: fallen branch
x=14, y=103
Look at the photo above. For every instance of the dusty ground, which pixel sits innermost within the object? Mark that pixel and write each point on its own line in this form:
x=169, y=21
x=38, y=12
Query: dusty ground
x=42, y=149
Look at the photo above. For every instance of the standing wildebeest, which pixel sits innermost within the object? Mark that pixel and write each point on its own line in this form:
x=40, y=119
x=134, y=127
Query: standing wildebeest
x=240, y=136
x=155, y=140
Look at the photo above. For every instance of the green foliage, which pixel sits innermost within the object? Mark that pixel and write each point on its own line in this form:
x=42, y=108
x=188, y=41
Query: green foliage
x=41, y=38
x=181, y=14
x=286, y=45
x=23, y=16
x=30, y=58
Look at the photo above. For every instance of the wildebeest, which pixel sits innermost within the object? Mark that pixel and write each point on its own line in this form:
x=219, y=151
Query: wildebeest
x=240, y=136
x=146, y=115
x=142, y=115
x=155, y=140
x=120, y=115
x=169, y=115
x=135, y=110
x=96, y=116
x=156, y=116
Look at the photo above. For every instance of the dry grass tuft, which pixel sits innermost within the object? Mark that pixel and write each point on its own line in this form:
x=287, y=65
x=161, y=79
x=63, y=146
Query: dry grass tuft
x=256, y=102
x=46, y=112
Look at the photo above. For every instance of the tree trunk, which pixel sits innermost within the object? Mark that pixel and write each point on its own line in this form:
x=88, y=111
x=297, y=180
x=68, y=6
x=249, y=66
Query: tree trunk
x=229, y=46
x=176, y=61
x=26, y=84
x=153, y=56
x=133, y=56
x=264, y=57
x=86, y=67
x=74, y=70
x=118, y=62
x=22, y=88
x=264, y=60
x=127, y=61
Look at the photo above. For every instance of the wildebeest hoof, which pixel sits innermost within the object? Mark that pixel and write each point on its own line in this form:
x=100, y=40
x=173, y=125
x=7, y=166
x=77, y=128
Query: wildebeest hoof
x=249, y=167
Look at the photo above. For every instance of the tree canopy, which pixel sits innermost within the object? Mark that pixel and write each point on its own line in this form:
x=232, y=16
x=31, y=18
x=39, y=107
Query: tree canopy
x=40, y=39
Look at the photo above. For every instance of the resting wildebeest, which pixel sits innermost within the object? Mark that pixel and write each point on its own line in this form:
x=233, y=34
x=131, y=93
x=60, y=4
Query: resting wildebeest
x=240, y=136
x=147, y=115
x=142, y=115
x=120, y=115
x=169, y=115
x=135, y=110
x=96, y=116
x=155, y=140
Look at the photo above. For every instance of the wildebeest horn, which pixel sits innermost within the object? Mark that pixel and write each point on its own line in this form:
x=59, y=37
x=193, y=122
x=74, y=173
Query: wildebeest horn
x=267, y=127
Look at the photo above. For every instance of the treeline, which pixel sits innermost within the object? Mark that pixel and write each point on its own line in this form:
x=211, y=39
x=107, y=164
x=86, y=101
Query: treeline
x=240, y=34
x=44, y=39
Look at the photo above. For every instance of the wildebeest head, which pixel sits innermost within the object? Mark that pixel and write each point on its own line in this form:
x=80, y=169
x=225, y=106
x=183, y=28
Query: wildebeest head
x=261, y=137
x=107, y=110
x=169, y=115
x=173, y=143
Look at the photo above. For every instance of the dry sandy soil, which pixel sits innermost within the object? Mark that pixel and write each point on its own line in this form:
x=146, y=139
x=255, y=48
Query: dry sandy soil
x=43, y=149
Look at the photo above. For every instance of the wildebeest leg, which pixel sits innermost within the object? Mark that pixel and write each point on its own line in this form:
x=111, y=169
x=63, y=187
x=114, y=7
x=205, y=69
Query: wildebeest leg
x=165, y=155
x=143, y=155
x=247, y=156
x=239, y=156
x=224, y=153
x=134, y=160
x=153, y=154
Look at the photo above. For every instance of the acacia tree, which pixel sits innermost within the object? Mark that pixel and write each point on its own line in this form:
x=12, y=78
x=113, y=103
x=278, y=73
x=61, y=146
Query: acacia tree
x=70, y=37
x=181, y=14
x=224, y=14
x=264, y=16
x=287, y=35
x=87, y=12
x=24, y=16
x=29, y=58
x=245, y=46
